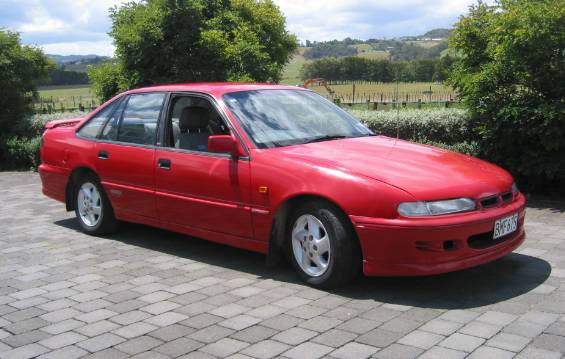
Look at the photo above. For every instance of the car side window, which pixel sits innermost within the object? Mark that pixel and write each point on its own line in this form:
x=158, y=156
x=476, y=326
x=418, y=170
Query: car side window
x=92, y=128
x=191, y=121
x=139, y=121
x=110, y=131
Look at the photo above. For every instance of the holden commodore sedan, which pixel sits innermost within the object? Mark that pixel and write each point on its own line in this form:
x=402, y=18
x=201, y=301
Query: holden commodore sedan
x=282, y=171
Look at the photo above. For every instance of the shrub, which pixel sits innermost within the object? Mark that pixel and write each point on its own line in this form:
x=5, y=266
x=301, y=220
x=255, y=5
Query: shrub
x=446, y=128
x=510, y=73
x=21, y=153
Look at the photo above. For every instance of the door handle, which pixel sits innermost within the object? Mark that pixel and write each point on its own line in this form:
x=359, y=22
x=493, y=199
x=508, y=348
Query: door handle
x=103, y=155
x=164, y=164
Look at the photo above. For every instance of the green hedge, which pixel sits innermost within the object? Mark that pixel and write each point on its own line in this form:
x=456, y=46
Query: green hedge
x=442, y=127
x=21, y=152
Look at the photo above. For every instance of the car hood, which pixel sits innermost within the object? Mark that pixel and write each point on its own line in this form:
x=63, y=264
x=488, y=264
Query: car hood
x=425, y=172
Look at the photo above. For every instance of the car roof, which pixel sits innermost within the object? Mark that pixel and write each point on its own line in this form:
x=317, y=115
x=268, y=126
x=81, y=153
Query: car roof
x=215, y=88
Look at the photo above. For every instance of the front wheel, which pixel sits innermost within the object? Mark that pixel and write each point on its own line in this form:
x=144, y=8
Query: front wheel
x=92, y=207
x=322, y=245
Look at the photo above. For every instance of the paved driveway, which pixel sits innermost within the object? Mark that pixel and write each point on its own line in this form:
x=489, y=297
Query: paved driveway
x=154, y=294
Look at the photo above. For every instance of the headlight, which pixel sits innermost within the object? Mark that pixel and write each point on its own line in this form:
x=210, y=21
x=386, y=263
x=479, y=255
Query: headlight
x=435, y=208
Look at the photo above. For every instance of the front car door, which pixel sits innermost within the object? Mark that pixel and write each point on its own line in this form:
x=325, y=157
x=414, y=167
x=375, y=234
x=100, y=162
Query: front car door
x=125, y=154
x=196, y=189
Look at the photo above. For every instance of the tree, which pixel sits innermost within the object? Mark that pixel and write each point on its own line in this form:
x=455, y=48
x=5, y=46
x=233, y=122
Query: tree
x=511, y=75
x=163, y=41
x=20, y=68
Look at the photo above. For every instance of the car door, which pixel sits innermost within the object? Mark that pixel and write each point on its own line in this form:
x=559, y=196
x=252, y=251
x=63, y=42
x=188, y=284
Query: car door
x=196, y=188
x=125, y=154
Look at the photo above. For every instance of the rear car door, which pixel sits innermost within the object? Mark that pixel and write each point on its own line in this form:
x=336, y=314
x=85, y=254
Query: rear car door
x=125, y=155
x=196, y=188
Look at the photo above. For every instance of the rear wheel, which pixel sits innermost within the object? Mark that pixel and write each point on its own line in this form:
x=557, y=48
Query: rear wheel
x=322, y=246
x=92, y=207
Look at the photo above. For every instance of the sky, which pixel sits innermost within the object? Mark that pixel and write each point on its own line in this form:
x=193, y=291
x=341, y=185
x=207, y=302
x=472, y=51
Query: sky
x=80, y=26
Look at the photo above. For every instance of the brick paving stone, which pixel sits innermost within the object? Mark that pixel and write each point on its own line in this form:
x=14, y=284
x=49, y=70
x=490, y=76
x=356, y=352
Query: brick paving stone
x=211, y=334
x=94, y=329
x=100, y=342
x=334, y=338
x=440, y=326
x=320, y=324
x=165, y=319
x=138, y=345
x=23, y=352
x=224, y=347
x=62, y=340
x=254, y=334
x=443, y=353
x=178, y=347
x=354, y=351
x=240, y=322
x=70, y=352
x=398, y=351
x=172, y=332
x=295, y=336
x=463, y=342
x=265, y=349
x=491, y=353
x=379, y=338
x=308, y=351
x=538, y=353
x=421, y=339
x=480, y=329
x=134, y=330
x=358, y=325
x=25, y=338
x=510, y=342
x=550, y=342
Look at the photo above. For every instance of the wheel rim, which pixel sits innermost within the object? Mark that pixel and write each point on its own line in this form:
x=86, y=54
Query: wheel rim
x=311, y=245
x=89, y=204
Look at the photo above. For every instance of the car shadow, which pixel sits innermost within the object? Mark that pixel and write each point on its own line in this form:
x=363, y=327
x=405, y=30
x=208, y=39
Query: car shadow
x=491, y=283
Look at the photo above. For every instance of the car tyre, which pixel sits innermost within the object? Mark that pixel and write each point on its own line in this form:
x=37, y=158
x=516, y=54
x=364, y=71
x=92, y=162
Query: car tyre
x=322, y=245
x=93, y=209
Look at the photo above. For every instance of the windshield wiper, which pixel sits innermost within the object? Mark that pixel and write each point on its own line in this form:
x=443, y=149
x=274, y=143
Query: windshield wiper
x=326, y=138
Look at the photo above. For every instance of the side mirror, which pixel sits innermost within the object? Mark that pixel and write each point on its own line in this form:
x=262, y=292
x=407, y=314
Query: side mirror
x=225, y=144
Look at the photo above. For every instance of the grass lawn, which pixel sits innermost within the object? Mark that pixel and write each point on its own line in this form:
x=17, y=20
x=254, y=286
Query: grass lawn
x=68, y=96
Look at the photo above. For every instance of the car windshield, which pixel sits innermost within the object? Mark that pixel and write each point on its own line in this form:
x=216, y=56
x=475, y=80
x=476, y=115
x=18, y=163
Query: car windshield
x=276, y=118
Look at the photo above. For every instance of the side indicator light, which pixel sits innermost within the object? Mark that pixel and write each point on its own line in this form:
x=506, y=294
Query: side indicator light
x=263, y=189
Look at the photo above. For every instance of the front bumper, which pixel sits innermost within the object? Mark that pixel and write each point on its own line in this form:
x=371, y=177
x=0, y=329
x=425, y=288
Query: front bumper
x=424, y=246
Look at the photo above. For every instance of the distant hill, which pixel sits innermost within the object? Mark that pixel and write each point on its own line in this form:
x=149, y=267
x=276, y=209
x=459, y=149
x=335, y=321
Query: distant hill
x=437, y=34
x=77, y=63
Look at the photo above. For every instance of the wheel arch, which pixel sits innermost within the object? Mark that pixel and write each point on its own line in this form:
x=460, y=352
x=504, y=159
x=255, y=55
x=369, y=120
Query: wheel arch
x=280, y=220
x=75, y=175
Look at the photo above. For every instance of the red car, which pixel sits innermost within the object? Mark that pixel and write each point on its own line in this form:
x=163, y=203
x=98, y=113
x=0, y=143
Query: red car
x=280, y=170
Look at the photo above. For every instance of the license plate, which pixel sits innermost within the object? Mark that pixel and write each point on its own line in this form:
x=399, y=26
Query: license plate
x=505, y=226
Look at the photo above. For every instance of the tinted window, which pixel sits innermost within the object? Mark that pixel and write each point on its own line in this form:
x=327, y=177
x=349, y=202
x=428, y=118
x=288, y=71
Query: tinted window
x=139, y=121
x=110, y=131
x=93, y=126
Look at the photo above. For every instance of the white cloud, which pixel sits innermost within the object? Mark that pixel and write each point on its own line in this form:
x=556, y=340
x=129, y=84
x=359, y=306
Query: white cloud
x=81, y=26
x=337, y=19
x=103, y=48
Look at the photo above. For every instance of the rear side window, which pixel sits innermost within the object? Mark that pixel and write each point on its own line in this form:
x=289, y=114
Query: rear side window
x=110, y=131
x=92, y=128
x=140, y=118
